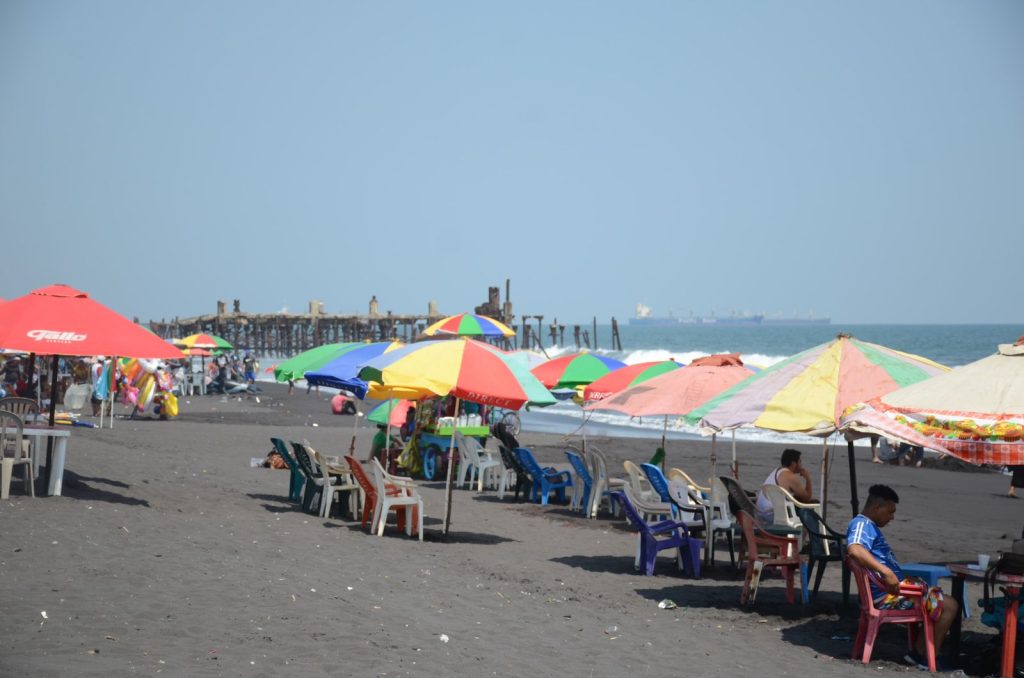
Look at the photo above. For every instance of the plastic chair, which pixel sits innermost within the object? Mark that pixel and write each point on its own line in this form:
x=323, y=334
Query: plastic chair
x=871, y=618
x=666, y=534
x=13, y=452
x=660, y=485
x=296, y=480
x=403, y=500
x=544, y=480
x=23, y=407
x=333, y=485
x=369, y=494
x=676, y=473
x=764, y=550
x=583, y=482
x=824, y=546
x=483, y=464
x=785, y=507
x=514, y=471
x=604, y=484
x=638, y=483
x=313, y=490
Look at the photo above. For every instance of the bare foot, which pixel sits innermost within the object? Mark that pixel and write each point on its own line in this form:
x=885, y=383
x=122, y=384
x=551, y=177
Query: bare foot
x=876, y=460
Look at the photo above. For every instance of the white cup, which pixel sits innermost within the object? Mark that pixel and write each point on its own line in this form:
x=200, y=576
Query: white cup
x=983, y=560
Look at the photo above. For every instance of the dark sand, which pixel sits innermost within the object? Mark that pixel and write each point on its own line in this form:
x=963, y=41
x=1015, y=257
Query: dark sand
x=168, y=554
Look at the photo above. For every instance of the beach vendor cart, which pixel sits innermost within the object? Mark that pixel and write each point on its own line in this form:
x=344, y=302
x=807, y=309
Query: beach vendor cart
x=430, y=444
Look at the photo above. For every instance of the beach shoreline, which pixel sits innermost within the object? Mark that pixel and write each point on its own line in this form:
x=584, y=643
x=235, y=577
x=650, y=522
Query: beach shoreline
x=168, y=554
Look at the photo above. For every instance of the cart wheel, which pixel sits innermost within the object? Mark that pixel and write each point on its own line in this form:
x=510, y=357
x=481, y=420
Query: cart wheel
x=511, y=422
x=430, y=461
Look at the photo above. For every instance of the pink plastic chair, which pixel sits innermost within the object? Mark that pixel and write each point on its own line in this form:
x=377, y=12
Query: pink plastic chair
x=871, y=618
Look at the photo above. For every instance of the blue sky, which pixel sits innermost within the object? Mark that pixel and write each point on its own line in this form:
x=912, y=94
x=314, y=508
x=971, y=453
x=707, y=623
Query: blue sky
x=858, y=159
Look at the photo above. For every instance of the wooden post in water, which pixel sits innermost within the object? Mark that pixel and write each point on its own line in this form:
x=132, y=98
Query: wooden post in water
x=595, y=332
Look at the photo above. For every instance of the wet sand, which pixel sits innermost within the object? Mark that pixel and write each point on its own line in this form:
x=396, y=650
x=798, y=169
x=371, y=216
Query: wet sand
x=168, y=554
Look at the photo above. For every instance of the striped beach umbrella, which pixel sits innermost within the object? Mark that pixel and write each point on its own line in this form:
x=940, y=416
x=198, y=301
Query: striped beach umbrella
x=313, y=359
x=627, y=377
x=575, y=369
x=465, y=369
x=809, y=392
x=210, y=342
x=974, y=413
x=343, y=370
x=468, y=325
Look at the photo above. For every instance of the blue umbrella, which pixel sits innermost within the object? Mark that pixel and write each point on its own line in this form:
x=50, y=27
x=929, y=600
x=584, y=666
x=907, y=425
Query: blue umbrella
x=343, y=371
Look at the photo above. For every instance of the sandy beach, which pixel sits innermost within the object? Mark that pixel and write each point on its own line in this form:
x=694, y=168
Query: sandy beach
x=168, y=554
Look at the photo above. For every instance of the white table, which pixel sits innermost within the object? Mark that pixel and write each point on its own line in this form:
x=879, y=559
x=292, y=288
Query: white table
x=60, y=434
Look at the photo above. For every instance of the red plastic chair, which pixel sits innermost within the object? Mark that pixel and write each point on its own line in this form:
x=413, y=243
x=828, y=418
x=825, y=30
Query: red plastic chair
x=370, y=493
x=771, y=551
x=871, y=618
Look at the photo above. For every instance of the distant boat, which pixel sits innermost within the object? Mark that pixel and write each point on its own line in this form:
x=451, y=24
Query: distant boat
x=734, y=319
x=644, y=318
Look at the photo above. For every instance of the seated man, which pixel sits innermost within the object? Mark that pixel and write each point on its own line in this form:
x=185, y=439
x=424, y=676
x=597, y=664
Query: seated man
x=792, y=476
x=866, y=545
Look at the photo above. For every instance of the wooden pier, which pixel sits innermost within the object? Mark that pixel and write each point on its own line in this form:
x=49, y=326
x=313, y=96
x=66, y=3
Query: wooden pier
x=291, y=333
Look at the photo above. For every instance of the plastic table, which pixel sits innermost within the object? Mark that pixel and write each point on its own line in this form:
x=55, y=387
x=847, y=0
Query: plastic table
x=1011, y=585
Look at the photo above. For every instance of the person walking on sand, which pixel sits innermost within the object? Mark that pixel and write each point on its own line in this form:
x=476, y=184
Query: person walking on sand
x=867, y=546
x=791, y=476
x=1016, y=481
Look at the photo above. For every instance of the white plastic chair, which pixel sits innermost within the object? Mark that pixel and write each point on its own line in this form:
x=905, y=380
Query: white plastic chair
x=333, y=484
x=409, y=498
x=648, y=509
x=676, y=473
x=14, y=451
x=686, y=500
x=603, y=483
x=785, y=505
x=638, y=482
x=484, y=465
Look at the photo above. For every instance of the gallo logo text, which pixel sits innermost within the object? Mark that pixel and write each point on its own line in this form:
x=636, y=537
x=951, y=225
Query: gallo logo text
x=55, y=336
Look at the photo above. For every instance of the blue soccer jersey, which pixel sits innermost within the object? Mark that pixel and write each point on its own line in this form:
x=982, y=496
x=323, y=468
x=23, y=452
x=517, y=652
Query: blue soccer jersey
x=864, y=532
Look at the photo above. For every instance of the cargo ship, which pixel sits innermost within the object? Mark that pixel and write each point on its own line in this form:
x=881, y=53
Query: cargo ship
x=644, y=318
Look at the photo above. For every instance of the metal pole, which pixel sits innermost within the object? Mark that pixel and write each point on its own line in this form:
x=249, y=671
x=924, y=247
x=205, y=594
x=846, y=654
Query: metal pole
x=824, y=479
x=53, y=415
x=714, y=459
x=735, y=464
x=854, y=501
x=448, y=479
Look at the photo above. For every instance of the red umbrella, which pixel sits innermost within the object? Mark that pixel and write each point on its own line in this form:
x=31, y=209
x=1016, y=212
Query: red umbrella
x=60, y=320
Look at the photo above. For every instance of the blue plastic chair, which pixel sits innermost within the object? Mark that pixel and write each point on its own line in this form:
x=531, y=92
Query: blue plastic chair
x=583, y=475
x=296, y=481
x=666, y=534
x=544, y=479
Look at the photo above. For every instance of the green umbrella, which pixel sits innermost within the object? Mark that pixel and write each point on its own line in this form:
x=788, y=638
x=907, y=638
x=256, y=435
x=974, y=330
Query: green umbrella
x=397, y=408
x=313, y=359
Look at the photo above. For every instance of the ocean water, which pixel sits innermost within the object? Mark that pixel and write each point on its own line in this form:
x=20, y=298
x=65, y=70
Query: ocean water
x=759, y=345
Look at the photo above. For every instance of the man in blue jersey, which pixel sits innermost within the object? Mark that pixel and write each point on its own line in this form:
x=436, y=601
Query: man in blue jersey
x=867, y=546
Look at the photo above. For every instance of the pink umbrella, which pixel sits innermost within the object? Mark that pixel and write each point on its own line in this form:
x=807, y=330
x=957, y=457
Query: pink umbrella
x=680, y=391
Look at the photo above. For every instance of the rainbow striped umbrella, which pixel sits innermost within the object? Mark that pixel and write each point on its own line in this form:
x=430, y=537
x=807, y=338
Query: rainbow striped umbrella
x=468, y=325
x=313, y=359
x=575, y=369
x=210, y=342
x=627, y=377
x=466, y=369
x=809, y=392
x=469, y=370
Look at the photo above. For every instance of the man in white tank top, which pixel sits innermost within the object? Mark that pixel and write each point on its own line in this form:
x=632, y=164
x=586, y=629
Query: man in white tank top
x=792, y=476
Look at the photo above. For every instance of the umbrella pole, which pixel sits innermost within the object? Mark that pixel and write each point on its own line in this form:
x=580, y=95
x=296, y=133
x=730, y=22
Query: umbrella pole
x=102, y=404
x=112, y=388
x=664, y=431
x=854, y=501
x=824, y=479
x=53, y=417
x=714, y=459
x=448, y=479
x=735, y=464
x=355, y=424
x=583, y=430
